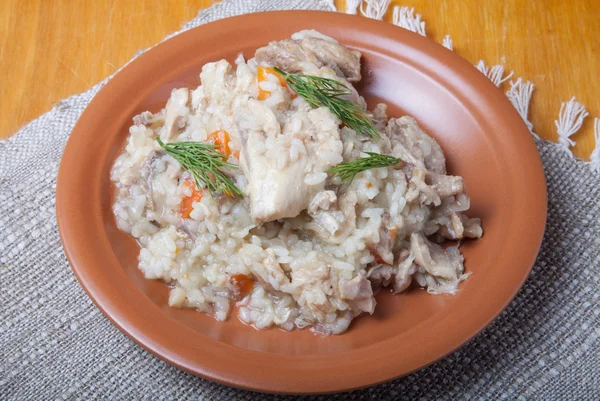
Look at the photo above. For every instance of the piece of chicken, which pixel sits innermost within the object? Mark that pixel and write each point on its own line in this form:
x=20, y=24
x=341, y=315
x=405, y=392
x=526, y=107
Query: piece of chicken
x=336, y=223
x=435, y=259
x=460, y=226
x=274, y=192
x=279, y=189
x=404, y=271
x=382, y=250
x=149, y=119
x=322, y=201
x=308, y=49
x=360, y=294
x=414, y=146
x=176, y=112
x=381, y=275
x=155, y=199
x=441, y=269
x=447, y=185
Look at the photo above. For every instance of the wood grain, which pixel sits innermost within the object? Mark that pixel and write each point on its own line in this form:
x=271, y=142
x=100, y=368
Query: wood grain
x=53, y=49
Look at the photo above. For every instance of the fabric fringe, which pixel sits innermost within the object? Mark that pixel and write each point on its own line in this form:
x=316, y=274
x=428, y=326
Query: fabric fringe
x=495, y=74
x=519, y=94
x=572, y=113
x=352, y=6
x=405, y=17
x=595, y=156
x=570, y=119
x=375, y=9
x=447, y=43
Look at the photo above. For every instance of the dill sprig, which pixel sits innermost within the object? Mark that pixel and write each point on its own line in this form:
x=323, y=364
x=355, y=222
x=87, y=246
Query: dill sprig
x=348, y=170
x=327, y=92
x=205, y=164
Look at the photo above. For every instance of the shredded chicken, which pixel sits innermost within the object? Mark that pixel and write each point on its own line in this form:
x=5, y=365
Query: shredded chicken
x=414, y=146
x=381, y=275
x=447, y=185
x=306, y=51
x=149, y=119
x=380, y=115
x=382, y=250
x=360, y=293
x=155, y=199
x=176, y=112
x=427, y=195
x=471, y=226
x=443, y=268
x=336, y=224
x=322, y=201
x=406, y=268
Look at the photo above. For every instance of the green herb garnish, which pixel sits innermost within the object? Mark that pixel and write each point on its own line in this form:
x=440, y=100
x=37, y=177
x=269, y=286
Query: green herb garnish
x=327, y=92
x=204, y=163
x=348, y=170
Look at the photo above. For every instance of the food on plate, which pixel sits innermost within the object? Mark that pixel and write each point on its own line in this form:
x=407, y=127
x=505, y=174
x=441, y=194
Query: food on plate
x=272, y=192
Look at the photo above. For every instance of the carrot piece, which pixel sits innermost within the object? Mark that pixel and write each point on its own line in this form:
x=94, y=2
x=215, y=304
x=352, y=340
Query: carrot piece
x=243, y=283
x=187, y=203
x=261, y=75
x=220, y=139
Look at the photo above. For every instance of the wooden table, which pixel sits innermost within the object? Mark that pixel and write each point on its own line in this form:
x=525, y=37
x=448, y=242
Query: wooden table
x=53, y=49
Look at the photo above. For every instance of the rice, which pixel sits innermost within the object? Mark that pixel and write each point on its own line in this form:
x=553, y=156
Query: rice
x=309, y=269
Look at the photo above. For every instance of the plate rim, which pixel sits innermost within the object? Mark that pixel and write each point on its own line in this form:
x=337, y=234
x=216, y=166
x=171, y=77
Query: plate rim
x=74, y=252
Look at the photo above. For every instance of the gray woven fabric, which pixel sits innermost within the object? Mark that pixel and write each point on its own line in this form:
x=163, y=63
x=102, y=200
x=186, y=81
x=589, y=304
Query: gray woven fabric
x=54, y=344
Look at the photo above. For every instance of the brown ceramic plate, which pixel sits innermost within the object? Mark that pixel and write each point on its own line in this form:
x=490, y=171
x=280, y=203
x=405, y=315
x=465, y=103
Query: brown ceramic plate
x=481, y=134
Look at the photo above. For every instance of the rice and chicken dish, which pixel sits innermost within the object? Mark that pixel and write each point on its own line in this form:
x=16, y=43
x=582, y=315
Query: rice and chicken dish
x=271, y=192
